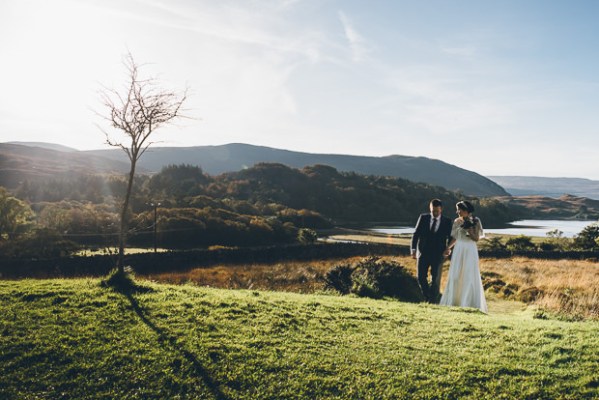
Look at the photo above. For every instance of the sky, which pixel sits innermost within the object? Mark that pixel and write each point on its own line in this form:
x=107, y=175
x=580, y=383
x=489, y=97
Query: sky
x=499, y=87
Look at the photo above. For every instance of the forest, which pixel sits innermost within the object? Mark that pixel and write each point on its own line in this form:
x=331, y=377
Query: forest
x=182, y=207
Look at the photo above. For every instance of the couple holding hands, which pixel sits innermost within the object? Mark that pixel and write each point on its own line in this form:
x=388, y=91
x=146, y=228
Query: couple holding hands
x=436, y=237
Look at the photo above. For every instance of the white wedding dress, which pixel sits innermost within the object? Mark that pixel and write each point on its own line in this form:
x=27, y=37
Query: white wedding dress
x=464, y=285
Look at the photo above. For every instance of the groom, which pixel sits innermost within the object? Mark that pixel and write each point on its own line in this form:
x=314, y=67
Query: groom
x=433, y=232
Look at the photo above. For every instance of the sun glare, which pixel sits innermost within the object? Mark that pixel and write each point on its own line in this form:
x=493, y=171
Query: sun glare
x=51, y=74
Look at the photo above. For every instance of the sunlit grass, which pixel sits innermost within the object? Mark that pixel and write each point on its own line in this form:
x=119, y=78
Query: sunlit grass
x=569, y=287
x=398, y=240
x=75, y=339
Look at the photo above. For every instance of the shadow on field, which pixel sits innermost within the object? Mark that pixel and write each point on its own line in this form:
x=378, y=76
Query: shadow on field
x=166, y=339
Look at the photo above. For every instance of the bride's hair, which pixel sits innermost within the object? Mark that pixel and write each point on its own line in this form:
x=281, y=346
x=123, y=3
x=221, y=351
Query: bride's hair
x=466, y=206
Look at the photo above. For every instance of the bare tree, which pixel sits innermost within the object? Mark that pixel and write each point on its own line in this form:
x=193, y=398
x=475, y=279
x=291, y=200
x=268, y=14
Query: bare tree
x=141, y=107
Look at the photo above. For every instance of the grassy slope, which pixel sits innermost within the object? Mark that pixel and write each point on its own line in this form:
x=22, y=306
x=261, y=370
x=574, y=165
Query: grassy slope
x=75, y=339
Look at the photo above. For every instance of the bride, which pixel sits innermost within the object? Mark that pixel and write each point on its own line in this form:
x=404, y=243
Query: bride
x=464, y=286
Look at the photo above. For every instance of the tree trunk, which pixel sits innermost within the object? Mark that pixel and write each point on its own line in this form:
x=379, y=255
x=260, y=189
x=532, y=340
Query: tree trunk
x=125, y=219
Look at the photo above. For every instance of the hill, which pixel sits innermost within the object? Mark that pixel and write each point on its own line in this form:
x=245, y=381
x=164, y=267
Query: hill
x=543, y=207
x=75, y=339
x=19, y=162
x=550, y=187
x=215, y=160
x=341, y=196
x=44, y=145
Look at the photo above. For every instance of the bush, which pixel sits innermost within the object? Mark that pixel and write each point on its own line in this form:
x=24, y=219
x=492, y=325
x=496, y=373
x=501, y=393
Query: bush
x=520, y=243
x=307, y=236
x=547, y=245
x=375, y=278
x=339, y=278
x=493, y=243
x=587, y=238
x=41, y=244
x=16, y=216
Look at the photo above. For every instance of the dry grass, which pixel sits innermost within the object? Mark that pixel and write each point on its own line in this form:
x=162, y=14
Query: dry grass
x=398, y=240
x=292, y=276
x=568, y=287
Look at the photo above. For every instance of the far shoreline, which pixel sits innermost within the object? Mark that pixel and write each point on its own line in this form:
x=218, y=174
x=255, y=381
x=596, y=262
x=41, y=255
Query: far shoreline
x=537, y=228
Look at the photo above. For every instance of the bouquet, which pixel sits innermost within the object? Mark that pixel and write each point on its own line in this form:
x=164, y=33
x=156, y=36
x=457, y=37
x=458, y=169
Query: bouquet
x=469, y=222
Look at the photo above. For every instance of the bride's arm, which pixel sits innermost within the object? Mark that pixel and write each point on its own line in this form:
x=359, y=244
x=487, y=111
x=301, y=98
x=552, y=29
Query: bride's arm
x=450, y=245
x=454, y=233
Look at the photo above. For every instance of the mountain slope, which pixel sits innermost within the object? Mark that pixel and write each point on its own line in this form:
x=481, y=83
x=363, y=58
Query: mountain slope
x=551, y=187
x=44, y=145
x=26, y=162
x=544, y=207
x=234, y=157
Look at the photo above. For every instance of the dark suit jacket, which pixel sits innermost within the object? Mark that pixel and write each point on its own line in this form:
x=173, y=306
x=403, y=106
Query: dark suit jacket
x=429, y=243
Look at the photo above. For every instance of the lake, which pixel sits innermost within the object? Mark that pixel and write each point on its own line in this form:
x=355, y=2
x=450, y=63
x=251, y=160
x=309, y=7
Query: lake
x=528, y=227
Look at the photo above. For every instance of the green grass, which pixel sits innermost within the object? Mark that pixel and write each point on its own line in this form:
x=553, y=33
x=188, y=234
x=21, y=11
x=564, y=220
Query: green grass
x=74, y=339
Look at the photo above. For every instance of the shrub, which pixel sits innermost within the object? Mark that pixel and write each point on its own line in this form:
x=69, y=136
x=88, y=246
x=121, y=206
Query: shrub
x=493, y=243
x=15, y=216
x=375, y=278
x=40, y=244
x=339, y=278
x=520, y=243
x=587, y=238
x=307, y=236
x=556, y=241
x=547, y=245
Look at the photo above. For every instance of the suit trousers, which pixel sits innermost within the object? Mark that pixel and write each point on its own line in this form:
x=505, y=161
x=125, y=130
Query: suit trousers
x=434, y=262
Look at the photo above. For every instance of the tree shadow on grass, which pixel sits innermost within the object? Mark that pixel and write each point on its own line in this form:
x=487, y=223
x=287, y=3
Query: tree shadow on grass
x=171, y=341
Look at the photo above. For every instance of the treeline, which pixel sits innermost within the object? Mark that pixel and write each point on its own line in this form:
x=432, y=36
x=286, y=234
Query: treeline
x=182, y=207
x=343, y=197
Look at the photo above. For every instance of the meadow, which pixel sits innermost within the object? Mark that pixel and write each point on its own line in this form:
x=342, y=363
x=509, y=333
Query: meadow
x=73, y=339
x=567, y=288
x=274, y=331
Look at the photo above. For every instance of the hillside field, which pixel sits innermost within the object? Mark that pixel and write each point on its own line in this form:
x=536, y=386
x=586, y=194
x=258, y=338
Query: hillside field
x=73, y=339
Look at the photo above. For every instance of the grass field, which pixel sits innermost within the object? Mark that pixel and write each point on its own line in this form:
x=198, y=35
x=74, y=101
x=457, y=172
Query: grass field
x=74, y=339
x=567, y=287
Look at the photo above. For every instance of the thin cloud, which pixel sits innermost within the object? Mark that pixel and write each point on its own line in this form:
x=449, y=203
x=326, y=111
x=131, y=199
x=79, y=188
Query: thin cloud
x=357, y=43
x=232, y=23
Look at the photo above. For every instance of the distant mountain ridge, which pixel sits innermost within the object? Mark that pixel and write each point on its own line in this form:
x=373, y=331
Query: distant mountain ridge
x=20, y=162
x=550, y=187
x=25, y=160
x=44, y=145
x=215, y=160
